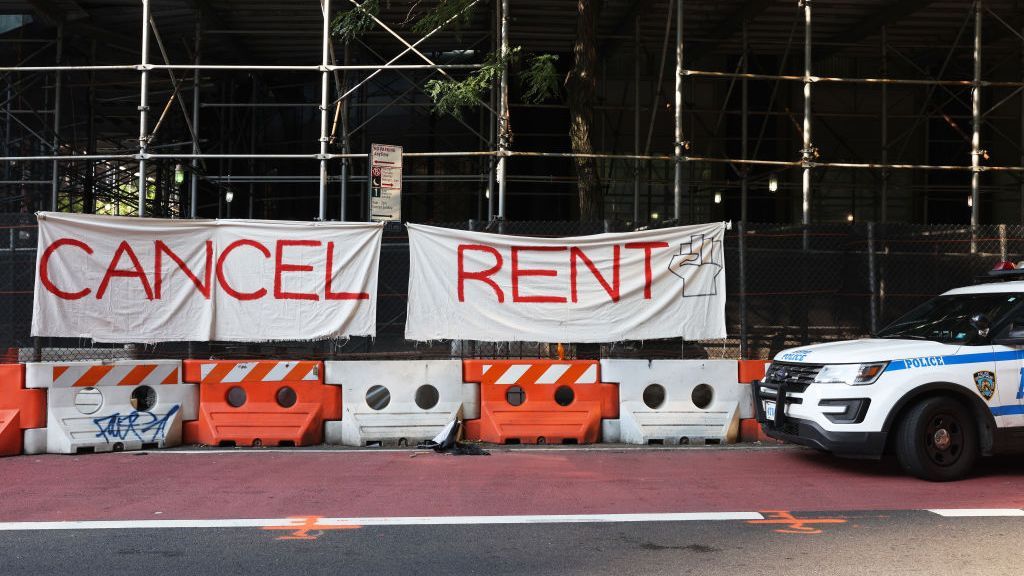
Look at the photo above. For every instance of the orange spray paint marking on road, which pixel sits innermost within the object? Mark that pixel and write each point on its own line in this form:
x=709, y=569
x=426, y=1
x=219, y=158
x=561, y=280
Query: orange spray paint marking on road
x=308, y=528
x=792, y=524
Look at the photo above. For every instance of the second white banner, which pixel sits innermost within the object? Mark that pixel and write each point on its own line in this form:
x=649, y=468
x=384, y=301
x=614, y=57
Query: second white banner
x=603, y=288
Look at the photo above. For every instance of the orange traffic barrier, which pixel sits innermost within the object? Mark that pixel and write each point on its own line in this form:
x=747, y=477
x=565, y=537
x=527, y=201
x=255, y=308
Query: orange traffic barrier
x=750, y=431
x=260, y=403
x=540, y=401
x=20, y=409
x=749, y=371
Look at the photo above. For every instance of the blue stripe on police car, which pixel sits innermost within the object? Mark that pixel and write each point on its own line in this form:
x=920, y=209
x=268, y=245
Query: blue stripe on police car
x=929, y=361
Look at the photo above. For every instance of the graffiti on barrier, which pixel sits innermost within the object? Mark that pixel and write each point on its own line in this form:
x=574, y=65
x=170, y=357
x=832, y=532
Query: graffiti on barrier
x=145, y=426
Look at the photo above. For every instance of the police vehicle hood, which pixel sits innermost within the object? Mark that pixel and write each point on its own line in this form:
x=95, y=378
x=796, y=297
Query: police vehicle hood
x=867, y=350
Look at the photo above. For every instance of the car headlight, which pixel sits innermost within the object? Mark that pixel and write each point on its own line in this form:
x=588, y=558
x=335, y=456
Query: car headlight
x=851, y=374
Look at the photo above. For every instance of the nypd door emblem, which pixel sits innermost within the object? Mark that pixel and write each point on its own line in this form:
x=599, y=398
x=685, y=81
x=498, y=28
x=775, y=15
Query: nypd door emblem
x=986, y=383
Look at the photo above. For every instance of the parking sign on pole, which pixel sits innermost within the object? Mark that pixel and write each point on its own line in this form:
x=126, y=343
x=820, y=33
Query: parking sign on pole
x=385, y=183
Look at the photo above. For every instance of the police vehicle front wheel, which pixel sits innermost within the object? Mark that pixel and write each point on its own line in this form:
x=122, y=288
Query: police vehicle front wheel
x=937, y=440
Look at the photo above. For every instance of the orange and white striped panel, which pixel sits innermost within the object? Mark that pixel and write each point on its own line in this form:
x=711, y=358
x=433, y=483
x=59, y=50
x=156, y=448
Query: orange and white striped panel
x=546, y=372
x=260, y=371
x=84, y=374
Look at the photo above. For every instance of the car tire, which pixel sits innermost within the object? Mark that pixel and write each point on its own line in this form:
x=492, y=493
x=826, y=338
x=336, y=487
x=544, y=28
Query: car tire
x=937, y=440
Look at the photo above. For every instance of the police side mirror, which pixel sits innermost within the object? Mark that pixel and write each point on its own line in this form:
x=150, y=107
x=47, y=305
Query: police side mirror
x=1014, y=335
x=981, y=323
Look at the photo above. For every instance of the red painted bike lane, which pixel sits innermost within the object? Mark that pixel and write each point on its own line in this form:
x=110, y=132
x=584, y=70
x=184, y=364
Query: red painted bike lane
x=271, y=484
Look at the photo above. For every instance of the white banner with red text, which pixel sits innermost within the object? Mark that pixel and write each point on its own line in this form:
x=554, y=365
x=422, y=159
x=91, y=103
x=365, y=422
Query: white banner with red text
x=120, y=279
x=603, y=288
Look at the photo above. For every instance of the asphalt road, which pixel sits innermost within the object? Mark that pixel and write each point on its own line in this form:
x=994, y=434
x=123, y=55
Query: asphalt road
x=692, y=511
x=865, y=543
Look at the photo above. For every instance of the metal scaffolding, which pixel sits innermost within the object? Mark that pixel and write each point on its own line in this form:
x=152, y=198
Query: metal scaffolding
x=707, y=170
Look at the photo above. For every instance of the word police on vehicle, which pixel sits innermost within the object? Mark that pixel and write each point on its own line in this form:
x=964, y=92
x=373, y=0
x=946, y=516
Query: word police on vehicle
x=940, y=386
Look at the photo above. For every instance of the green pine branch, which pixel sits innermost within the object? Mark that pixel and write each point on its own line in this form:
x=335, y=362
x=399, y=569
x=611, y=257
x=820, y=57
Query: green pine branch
x=443, y=12
x=540, y=78
x=451, y=96
x=351, y=24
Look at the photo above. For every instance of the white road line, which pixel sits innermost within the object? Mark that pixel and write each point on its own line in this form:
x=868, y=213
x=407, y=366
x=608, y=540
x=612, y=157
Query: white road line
x=313, y=523
x=304, y=522
x=977, y=512
x=542, y=519
x=145, y=524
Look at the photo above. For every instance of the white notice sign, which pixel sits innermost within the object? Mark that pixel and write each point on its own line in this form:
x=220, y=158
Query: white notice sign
x=385, y=182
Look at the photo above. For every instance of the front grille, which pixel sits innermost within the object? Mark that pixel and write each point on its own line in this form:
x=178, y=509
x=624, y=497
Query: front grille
x=797, y=377
x=770, y=394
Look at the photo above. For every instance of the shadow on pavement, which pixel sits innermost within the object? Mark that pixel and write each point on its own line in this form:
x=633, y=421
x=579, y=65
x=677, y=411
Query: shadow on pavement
x=888, y=466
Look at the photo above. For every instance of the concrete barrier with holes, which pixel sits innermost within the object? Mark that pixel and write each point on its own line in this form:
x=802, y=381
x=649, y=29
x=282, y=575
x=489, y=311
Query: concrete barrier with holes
x=398, y=402
x=111, y=406
x=675, y=401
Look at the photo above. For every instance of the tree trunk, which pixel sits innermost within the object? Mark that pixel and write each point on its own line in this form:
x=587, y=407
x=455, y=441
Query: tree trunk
x=581, y=89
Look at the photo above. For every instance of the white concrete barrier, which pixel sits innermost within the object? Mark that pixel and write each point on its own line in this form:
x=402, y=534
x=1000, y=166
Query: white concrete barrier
x=33, y=441
x=398, y=402
x=111, y=406
x=674, y=401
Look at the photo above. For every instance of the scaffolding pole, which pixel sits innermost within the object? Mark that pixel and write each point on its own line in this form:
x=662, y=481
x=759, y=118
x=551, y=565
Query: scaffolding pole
x=636, y=119
x=807, y=154
x=677, y=188
x=522, y=153
x=492, y=119
x=143, y=108
x=344, y=141
x=194, y=176
x=244, y=67
x=324, y=85
x=193, y=197
x=89, y=200
x=976, y=124
x=503, y=127
x=55, y=184
x=492, y=167
x=884, y=216
x=252, y=145
x=741, y=229
x=744, y=121
x=855, y=80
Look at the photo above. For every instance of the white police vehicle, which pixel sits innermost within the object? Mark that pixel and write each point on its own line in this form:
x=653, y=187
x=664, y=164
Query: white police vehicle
x=938, y=387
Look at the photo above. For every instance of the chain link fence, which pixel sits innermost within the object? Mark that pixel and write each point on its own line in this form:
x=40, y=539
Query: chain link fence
x=787, y=285
x=791, y=285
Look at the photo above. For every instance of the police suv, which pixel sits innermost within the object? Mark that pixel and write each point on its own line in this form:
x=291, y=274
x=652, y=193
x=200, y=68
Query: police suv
x=939, y=387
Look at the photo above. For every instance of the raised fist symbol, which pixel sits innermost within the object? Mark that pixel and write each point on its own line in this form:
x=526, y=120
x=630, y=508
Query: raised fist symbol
x=698, y=264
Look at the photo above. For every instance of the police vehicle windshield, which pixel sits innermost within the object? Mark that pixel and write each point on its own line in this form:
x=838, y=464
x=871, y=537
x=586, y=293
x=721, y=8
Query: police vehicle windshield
x=947, y=319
